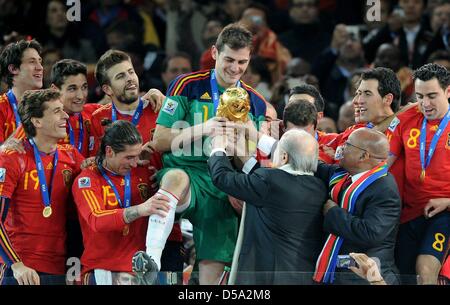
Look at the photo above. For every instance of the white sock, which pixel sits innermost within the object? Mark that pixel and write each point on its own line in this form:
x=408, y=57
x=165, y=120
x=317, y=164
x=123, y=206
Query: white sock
x=159, y=229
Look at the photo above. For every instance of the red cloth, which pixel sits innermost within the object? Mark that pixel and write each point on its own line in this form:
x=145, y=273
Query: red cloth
x=7, y=118
x=324, y=139
x=145, y=125
x=405, y=141
x=207, y=62
x=445, y=270
x=39, y=241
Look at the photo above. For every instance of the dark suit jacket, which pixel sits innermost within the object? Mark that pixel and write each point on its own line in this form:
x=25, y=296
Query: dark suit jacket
x=283, y=226
x=384, y=35
x=371, y=229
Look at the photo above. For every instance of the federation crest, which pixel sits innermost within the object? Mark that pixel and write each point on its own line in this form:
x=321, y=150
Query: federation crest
x=67, y=176
x=143, y=191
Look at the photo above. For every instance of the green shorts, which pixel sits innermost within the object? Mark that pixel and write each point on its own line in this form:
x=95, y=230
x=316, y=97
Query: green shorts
x=213, y=218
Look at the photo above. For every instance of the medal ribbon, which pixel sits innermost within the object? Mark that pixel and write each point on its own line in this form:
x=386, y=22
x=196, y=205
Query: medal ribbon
x=136, y=116
x=13, y=101
x=434, y=141
x=127, y=192
x=80, y=134
x=45, y=190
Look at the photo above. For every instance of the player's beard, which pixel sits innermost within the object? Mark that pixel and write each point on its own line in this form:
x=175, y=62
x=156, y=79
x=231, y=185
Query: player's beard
x=127, y=98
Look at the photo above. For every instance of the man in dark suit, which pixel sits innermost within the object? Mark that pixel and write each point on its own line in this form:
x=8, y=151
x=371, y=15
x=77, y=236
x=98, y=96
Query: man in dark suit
x=283, y=225
x=370, y=225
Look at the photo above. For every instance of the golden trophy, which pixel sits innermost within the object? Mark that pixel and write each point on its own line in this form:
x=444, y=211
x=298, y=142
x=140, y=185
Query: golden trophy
x=234, y=105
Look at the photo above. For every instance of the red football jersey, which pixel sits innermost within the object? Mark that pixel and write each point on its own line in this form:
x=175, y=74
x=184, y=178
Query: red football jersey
x=145, y=125
x=7, y=118
x=74, y=121
x=325, y=139
x=109, y=243
x=338, y=143
x=404, y=139
x=39, y=241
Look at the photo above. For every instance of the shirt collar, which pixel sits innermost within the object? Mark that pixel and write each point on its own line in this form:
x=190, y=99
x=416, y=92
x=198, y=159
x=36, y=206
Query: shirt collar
x=288, y=169
x=357, y=176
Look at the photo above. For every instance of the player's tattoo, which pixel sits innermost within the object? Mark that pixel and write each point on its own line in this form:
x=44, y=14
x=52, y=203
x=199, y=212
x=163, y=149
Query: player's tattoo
x=130, y=214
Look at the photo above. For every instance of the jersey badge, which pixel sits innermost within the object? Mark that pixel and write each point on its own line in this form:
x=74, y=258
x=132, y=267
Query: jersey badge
x=170, y=107
x=84, y=182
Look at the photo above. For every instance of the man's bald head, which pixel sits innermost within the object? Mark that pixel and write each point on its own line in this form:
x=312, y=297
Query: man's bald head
x=301, y=148
x=375, y=142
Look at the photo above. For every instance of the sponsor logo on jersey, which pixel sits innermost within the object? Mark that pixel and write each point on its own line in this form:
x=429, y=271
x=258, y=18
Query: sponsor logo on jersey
x=205, y=96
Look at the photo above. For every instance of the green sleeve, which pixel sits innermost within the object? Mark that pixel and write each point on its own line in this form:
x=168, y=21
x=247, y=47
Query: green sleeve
x=175, y=108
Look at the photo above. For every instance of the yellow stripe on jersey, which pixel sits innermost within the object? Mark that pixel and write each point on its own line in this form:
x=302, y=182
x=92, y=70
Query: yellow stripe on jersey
x=4, y=240
x=180, y=84
x=93, y=204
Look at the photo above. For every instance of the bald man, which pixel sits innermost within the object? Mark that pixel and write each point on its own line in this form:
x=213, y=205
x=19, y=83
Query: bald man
x=283, y=231
x=363, y=212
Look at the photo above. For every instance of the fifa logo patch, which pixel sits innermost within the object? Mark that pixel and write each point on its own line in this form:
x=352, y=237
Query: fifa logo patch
x=84, y=182
x=170, y=107
x=2, y=174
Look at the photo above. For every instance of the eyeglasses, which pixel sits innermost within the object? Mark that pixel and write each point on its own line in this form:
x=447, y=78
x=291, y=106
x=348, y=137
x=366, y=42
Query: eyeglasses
x=347, y=143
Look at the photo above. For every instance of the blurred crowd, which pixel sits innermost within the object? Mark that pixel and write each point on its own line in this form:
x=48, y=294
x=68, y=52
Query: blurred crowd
x=326, y=43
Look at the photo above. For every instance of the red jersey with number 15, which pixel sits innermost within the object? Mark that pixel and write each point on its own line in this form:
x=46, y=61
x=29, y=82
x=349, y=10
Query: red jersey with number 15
x=405, y=139
x=109, y=243
x=39, y=241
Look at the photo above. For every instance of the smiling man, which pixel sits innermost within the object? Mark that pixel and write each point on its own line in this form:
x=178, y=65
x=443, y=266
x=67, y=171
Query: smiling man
x=422, y=135
x=69, y=77
x=193, y=98
x=21, y=68
x=37, y=186
x=116, y=75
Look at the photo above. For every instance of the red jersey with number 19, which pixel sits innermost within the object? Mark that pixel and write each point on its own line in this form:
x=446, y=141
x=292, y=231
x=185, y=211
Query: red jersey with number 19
x=405, y=140
x=38, y=241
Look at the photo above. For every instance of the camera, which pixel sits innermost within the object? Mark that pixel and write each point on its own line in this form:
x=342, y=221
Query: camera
x=345, y=261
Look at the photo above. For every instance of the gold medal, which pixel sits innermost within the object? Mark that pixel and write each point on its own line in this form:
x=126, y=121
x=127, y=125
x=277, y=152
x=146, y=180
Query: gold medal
x=126, y=230
x=47, y=212
x=422, y=175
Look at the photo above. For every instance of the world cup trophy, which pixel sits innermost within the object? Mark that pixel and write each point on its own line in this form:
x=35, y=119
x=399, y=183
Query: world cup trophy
x=234, y=105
